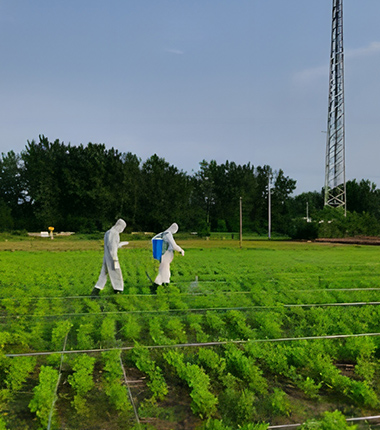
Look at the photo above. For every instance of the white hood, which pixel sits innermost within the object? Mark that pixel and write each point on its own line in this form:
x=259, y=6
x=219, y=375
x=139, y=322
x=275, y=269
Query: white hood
x=120, y=225
x=173, y=228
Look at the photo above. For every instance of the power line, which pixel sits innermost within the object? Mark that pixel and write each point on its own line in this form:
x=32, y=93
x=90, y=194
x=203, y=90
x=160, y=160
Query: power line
x=192, y=345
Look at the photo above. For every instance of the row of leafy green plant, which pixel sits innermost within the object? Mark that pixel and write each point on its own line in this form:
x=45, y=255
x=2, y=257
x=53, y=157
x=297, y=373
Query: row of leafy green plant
x=229, y=381
x=240, y=371
x=240, y=381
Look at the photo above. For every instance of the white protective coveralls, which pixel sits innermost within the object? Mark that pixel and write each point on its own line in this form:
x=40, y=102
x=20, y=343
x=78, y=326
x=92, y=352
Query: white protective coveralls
x=163, y=276
x=110, y=260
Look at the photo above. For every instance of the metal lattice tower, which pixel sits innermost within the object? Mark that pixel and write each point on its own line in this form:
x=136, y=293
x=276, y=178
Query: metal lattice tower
x=335, y=179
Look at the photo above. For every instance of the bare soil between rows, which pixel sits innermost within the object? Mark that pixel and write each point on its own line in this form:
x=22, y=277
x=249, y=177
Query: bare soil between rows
x=357, y=240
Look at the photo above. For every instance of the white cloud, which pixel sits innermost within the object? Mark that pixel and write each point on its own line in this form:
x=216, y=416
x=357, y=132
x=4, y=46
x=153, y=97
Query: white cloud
x=371, y=49
x=174, y=51
x=308, y=76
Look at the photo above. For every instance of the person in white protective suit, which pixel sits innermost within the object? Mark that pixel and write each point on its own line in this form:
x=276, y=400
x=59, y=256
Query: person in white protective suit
x=169, y=246
x=111, y=264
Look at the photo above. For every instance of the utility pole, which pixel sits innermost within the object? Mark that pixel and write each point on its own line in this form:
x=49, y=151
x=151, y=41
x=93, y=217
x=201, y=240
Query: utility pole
x=335, y=175
x=269, y=208
x=241, y=224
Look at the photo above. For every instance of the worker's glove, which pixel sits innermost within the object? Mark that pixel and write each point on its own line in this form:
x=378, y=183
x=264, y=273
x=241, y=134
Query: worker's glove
x=121, y=244
x=182, y=252
x=116, y=264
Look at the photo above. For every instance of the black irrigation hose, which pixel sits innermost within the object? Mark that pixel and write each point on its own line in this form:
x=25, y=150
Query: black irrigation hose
x=198, y=345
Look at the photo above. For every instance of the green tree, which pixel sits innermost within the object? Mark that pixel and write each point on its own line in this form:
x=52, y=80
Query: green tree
x=42, y=179
x=309, y=203
x=13, y=201
x=87, y=187
x=129, y=189
x=281, y=202
x=80, y=188
x=203, y=196
x=93, y=196
x=217, y=190
x=164, y=196
x=362, y=197
x=6, y=219
x=304, y=211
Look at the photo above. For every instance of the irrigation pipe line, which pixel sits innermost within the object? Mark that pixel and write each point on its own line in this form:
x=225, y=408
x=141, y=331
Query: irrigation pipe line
x=57, y=385
x=155, y=311
x=206, y=294
x=130, y=393
x=288, y=426
x=192, y=345
x=326, y=290
x=285, y=426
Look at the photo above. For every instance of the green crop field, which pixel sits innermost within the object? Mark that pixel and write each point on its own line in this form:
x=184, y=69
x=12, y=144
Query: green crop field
x=270, y=334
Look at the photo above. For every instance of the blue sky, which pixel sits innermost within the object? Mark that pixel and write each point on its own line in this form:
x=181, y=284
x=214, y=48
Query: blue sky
x=237, y=80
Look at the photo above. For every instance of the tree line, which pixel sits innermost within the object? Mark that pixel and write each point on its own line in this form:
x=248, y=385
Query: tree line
x=86, y=188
